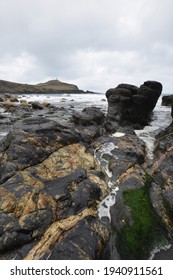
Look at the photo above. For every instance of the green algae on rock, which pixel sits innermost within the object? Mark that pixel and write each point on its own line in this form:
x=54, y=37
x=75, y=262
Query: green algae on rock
x=138, y=239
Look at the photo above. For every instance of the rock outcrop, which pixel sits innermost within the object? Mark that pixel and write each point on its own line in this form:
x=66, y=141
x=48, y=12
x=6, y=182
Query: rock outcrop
x=50, y=187
x=130, y=105
x=71, y=190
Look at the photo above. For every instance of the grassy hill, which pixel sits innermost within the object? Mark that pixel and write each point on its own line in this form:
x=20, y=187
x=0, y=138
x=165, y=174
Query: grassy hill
x=53, y=86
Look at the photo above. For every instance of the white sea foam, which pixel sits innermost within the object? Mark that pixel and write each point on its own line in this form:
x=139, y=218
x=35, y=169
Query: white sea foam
x=164, y=247
x=118, y=134
x=80, y=101
x=105, y=205
x=105, y=149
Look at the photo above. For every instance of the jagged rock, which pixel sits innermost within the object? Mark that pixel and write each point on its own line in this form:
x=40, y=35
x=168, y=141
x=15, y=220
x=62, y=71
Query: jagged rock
x=129, y=105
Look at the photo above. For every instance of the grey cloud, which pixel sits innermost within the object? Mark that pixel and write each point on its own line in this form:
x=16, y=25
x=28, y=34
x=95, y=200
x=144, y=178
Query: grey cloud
x=94, y=43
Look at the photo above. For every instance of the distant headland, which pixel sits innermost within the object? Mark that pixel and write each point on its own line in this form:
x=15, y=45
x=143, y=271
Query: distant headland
x=52, y=86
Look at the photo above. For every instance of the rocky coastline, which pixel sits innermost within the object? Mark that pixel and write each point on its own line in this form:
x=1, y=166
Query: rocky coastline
x=82, y=186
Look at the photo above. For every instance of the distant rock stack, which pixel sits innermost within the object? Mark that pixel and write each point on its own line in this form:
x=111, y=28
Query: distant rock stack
x=130, y=105
x=167, y=100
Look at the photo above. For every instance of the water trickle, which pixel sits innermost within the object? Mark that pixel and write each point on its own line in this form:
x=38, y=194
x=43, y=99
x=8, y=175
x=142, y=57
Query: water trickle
x=107, y=202
x=104, y=207
x=161, y=119
x=105, y=149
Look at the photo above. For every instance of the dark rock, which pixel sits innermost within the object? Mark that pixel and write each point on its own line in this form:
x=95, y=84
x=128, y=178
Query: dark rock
x=129, y=105
x=89, y=116
x=11, y=240
x=162, y=190
x=49, y=188
x=168, y=197
x=126, y=152
x=37, y=105
x=81, y=242
x=30, y=142
x=167, y=100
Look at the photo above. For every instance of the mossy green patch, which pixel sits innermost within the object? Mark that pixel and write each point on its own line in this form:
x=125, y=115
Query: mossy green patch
x=137, y=240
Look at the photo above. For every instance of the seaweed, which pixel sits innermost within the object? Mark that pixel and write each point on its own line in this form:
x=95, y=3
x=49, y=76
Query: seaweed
x=137, y=240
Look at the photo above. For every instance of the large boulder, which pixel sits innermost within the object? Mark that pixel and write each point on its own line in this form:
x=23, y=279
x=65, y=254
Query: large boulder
x=89, y=116
x=130, y=105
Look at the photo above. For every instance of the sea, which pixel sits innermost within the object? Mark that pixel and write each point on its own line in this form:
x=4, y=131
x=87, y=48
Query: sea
x=160, y=120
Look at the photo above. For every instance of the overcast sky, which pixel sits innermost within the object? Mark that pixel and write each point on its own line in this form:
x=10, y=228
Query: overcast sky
x=95, y=44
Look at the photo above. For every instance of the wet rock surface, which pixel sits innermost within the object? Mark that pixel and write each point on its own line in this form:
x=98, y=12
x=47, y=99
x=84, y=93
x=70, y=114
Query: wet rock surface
x=70, y=190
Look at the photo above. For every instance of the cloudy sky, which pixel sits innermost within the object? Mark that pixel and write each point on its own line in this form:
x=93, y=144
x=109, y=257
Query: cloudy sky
x=95, y=44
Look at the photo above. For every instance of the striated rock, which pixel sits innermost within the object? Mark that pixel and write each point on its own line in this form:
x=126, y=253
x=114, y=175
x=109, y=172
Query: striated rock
x=49, y=192
x=129, y=105
x=75, y=244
